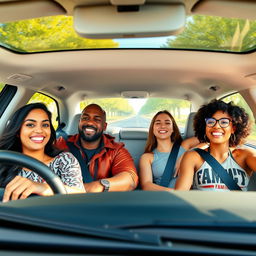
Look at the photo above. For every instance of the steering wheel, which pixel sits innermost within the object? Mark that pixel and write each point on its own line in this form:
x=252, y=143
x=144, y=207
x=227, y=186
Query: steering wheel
x=11, y=157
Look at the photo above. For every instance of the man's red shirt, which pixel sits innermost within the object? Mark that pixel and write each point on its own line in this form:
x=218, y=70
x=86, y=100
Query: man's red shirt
x=112, y=159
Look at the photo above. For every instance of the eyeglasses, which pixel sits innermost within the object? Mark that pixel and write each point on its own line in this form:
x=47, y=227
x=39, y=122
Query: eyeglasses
x=223, y=122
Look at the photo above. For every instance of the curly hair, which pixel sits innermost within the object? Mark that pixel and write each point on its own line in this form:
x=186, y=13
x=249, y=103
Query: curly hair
x=240, y=121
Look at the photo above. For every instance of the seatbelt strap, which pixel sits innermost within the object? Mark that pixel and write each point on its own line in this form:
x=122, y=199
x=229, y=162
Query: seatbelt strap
x=169, y=168
x=218, y=168
x=85, y=170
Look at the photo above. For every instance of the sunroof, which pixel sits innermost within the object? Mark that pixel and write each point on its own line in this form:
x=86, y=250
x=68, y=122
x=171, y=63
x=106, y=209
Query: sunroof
x=57, y=33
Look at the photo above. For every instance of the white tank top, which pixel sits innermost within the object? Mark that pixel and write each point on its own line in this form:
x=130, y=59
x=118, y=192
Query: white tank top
x=206, y=179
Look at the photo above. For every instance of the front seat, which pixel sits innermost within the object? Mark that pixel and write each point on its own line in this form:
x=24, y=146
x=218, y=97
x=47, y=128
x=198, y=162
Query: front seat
x=189, y=128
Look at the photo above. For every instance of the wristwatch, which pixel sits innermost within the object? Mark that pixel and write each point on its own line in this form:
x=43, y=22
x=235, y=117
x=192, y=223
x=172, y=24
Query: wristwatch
x=106, y=184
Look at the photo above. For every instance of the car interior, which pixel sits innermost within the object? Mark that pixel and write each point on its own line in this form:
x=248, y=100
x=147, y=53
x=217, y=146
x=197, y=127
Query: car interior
x=134, y=58
x=71, y=76
x=133, y=138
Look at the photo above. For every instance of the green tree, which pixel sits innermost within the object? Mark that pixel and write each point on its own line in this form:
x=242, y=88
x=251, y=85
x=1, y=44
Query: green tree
x=216, y=33
x=114, y=107
x=50, y=103
x=154, y=105
x=47, y=34
x=1, y=86
x=237, y=99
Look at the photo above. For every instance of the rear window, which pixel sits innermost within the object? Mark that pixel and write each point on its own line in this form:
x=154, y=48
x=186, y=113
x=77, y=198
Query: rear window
x=137, y=113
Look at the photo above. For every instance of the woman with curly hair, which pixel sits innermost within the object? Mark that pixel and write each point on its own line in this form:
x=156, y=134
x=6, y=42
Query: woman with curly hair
x=224, y=126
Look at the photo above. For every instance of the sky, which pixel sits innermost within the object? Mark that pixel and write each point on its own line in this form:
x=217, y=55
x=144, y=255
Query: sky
x=137, y=104
x=150, y=42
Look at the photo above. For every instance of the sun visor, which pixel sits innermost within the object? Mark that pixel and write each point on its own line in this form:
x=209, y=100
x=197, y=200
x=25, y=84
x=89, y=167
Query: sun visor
x=22, y=10
x=227, y=8
x=128, y=21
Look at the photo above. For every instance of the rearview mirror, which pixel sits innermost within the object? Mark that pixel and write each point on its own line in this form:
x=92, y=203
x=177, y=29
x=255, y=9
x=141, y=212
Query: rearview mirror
x=111, y=21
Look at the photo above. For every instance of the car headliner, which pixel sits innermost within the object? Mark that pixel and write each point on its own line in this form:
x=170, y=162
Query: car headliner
x=177, y=73
x=74, y=75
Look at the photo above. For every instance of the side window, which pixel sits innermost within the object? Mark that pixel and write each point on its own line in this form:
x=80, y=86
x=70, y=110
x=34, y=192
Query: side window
x=50, y=103
x=239, y=100
x=1, y=86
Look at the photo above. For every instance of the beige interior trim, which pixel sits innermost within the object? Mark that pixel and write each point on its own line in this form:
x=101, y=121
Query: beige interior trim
x=21, y=10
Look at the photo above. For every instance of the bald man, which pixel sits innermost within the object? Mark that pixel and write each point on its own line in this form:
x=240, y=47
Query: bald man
x=106, y=165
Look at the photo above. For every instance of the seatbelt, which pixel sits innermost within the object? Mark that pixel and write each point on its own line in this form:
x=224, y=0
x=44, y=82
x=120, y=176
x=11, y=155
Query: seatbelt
x=85, y=170
x=169, y=168
x=218, y=168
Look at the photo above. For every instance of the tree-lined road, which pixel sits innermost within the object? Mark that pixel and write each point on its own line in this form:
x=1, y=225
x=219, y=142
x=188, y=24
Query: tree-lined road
x=135, y=121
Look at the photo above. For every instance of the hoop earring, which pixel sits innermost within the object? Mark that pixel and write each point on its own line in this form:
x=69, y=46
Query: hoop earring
x=206, y=138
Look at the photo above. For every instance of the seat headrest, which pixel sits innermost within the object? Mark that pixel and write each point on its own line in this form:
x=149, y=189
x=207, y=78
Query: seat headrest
x=189, y=129
x=133, y=134
x=73, y=126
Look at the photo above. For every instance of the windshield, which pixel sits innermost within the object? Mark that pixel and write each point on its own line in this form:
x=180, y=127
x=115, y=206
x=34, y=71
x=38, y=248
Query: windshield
x=57, y=33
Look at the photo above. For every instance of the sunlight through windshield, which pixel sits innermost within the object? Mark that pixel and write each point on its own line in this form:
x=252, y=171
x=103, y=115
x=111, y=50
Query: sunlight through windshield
x=57, y=33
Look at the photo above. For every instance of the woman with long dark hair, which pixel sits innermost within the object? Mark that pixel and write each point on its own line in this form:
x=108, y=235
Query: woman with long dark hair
x=224, y=126
x=163, y=134
x=30, y=131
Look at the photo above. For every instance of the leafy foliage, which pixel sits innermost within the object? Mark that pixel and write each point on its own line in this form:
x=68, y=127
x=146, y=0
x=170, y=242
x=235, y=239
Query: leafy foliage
x=216, y=33
x=112, y=106
x=1, y=86
x=47, y=34
x=239, y=100
x=174, y=106
x=50, y=103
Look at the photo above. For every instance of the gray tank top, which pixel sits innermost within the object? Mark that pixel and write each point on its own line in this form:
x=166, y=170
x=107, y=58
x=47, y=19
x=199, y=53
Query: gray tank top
x=206, y=179
x=159, y=163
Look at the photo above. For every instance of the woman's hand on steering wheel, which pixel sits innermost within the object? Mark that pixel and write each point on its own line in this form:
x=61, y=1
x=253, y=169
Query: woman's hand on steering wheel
x=21, y=188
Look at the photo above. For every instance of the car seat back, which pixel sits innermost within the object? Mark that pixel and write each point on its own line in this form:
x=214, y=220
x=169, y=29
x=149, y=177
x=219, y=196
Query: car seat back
x=134, y=140
x=73, y=125
x=189, y=129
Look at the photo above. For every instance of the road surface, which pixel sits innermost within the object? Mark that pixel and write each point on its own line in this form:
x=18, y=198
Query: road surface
x=135, y=121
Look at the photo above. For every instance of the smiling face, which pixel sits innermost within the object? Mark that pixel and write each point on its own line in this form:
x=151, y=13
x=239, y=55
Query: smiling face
x=218, y=134
x=35, y=131
x=163, y=127
x=92, y=123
